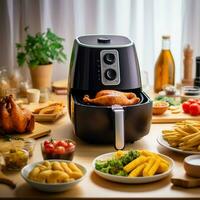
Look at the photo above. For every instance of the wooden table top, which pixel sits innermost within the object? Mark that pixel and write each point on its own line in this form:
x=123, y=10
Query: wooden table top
x=94, y=186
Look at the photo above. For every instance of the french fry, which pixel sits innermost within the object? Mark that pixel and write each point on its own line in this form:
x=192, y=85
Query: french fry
x=148, y=166
x=133, y=164
x=137, y=170
x=163, y=167
x=154, y=168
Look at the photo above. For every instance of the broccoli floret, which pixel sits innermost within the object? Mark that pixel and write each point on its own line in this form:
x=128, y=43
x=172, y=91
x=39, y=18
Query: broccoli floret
x=100, y=164
x=115, y=166
x=128, y=157
x=122, y=173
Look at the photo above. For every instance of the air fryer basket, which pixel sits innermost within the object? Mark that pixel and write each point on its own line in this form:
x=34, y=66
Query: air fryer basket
x=95, y=124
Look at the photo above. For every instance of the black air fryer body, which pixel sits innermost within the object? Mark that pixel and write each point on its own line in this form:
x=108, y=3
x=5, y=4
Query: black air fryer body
x=101, y=62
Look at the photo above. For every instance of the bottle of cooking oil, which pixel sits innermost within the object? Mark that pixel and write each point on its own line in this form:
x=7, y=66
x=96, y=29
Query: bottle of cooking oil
x=164, y=71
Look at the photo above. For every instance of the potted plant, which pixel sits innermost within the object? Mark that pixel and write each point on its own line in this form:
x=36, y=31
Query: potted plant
x=39, y=52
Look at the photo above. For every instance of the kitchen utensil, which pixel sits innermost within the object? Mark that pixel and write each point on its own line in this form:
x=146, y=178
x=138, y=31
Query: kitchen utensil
x=3, y=178
x=102, y=62
x=186, y=183
x=192, y=165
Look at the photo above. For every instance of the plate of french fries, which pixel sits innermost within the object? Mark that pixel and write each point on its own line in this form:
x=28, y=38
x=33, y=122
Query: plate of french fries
x=53, y=175
x=184, y=137
x=133, y=166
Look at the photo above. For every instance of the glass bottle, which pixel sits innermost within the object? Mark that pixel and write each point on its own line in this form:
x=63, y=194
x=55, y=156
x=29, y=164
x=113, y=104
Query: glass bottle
x=4, y=82
x=164, y=72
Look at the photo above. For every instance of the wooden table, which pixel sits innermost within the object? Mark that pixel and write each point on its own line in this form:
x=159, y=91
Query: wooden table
x=95, y=187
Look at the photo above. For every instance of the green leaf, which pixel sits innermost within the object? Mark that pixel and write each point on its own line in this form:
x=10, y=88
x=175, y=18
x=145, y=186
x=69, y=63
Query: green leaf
x=41, y=48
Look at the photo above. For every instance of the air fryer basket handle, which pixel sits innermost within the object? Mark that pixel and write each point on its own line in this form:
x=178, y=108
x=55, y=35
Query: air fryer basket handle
x=119, y=126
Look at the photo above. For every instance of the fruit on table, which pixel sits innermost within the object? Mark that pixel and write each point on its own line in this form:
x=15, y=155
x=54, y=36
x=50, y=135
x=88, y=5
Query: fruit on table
x=192, y=107
x=58, y=149
x=14, y=119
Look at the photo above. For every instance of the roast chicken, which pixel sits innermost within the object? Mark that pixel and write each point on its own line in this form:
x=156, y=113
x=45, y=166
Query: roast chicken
x=13, y=119
x=112, y=97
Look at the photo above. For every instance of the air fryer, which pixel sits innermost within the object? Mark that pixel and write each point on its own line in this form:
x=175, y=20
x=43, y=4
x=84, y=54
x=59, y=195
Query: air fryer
x=100, y=62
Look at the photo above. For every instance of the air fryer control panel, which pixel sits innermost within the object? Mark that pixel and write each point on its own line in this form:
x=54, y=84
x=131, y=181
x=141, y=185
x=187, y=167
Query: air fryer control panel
x=110, y=71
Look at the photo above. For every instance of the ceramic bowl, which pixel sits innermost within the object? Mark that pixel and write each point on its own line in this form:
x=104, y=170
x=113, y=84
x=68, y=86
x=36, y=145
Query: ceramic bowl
x=192, y=165
x=48, y=187
x=159, y=107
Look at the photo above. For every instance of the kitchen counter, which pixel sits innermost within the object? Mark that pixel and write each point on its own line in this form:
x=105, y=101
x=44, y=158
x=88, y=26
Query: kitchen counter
x=94, y=186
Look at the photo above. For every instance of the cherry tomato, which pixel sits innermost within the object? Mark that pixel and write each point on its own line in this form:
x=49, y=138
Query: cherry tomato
x=54, y=142
x=191, y=101
x=59, y=150
x=186, y=107
x=194, y=109
x=198, y=101
x=46, y=142
x=62, y=143
x=49, y=148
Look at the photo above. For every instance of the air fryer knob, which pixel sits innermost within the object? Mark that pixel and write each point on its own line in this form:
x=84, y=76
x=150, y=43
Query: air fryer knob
x=109, y=58
x=110, y=74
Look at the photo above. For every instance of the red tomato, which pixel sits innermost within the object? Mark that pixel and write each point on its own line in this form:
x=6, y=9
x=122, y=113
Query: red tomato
x=194, y=109
x=46, y=142
x=54, y=142
x=59, y=150
x=198, y=101
x=49, y=148
x=186, y=107
x=62, y=143
x=191, y=101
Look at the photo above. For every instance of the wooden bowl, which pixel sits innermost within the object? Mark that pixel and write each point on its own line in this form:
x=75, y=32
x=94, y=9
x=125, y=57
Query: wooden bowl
x=192, y=165
x=159, y=107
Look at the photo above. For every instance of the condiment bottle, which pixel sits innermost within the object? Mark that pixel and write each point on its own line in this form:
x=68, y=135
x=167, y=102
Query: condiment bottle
x=164, y=72
x=188, y=62
x=197, y=76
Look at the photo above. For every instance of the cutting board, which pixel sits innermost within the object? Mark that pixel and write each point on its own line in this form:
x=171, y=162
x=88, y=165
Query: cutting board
x=39, y=131
x=168, y=117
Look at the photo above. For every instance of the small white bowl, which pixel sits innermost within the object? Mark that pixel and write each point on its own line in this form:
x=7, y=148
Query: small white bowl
x=46, y=187
x=192, y=165
x=33, y=95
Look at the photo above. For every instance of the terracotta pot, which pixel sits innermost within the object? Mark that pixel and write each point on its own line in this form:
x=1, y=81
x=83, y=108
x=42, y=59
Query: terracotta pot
x=41, y=76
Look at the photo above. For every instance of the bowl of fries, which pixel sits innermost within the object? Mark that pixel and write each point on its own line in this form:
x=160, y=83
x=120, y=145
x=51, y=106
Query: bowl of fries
x=159, y=107
x=53, y=175
x=183, y=137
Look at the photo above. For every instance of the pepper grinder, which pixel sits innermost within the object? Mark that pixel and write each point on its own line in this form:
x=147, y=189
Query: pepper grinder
x=188, y=61
x=197, y=77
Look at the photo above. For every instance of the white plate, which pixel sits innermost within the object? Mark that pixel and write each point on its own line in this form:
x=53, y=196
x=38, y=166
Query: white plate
x=47, y=187
x=165, y=144
x=130, y=180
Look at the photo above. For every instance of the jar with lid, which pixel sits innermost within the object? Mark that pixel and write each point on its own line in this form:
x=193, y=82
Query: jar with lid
x=4, y=82
x=164, y=72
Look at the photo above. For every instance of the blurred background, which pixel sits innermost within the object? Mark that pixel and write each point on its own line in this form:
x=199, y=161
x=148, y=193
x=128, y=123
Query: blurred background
x=144, y=21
